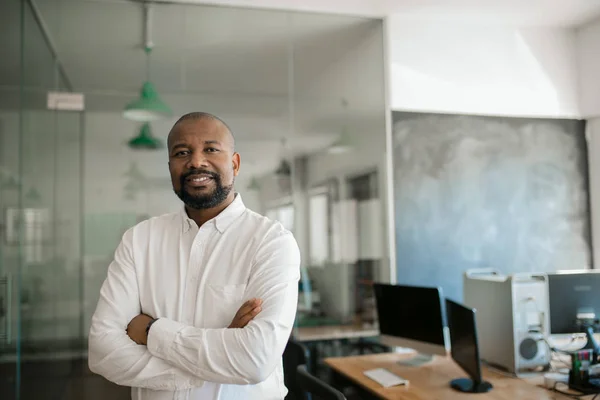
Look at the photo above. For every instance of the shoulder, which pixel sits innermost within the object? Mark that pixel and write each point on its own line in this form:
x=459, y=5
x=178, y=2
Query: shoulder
x=266, y=227
x=160, y=223
x=273, y=240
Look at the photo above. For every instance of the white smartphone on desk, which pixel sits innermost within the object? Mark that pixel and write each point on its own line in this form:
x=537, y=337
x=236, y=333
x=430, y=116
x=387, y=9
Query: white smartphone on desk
x=385, y=378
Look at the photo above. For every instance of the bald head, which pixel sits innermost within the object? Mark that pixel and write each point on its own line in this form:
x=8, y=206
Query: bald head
x=202, y=161
x=199, y=116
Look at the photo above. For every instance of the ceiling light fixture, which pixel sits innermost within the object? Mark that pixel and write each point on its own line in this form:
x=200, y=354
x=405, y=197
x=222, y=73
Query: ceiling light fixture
x=149, y=106
x=145, y=140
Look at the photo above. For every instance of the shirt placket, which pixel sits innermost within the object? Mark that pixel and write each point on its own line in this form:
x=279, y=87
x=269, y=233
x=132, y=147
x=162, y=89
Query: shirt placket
x=195, y=269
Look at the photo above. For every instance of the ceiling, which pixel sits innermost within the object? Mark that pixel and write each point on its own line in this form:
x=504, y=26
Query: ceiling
x=505, y=12
x=236, y=63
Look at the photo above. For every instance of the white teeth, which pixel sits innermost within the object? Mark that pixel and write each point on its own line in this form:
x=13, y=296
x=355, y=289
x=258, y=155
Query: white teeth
x=201, y=179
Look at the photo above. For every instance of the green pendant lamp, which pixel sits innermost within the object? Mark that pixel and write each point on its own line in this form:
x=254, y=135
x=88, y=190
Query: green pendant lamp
x=145, y=140
x=149, y=106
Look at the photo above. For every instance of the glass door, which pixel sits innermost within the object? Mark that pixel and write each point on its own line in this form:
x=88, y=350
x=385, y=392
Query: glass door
x=41, y=332
x=11, y=43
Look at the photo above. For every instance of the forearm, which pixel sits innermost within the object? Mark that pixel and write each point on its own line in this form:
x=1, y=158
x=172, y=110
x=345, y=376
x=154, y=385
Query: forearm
x=230, y=356
x=117, y=358
x=112, y=353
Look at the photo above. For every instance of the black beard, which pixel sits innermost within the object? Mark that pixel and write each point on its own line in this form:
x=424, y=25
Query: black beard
x=203, y=202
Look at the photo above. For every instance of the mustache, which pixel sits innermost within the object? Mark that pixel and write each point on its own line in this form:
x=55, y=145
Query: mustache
x=213, y=175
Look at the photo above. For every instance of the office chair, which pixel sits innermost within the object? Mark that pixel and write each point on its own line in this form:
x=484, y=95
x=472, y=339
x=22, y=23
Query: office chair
x=316, y=387
x=295, y=354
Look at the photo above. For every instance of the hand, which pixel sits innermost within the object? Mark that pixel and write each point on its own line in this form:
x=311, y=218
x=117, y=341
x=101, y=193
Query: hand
x=136, y=329
x=246, y=313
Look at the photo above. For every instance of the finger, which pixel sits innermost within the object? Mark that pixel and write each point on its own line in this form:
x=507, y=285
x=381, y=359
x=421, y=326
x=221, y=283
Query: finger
x=251, y=312
x=245, y=319
x=248, y=306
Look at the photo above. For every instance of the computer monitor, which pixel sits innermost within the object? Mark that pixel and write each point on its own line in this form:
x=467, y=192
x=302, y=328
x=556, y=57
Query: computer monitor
x=413, y=317
x=465, y=348
x=574, y=299
x=575, y=304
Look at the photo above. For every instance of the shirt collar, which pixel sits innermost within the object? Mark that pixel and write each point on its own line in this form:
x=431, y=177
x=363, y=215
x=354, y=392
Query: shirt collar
x=221, y=221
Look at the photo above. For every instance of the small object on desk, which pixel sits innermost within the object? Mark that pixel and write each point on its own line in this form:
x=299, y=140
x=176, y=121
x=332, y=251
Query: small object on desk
x=551, y=379
x=385, y=378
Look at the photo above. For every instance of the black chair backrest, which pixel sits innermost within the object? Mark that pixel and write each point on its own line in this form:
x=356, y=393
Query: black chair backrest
x=295, y=354
x=316, y=387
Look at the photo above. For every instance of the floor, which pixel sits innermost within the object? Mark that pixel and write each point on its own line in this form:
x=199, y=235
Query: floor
x=70, y=379
x=59, y=380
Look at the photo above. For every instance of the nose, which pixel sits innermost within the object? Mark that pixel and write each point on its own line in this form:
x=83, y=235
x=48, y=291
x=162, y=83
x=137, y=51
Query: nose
x=197, y=160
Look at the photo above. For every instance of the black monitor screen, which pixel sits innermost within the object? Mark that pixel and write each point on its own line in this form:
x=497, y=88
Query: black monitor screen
x=572, y=294
x=463, y=338
x=410, y=312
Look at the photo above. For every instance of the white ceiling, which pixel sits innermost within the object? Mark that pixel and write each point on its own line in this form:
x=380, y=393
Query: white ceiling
x=229, y=61
x=235, y=61
x=506, y=12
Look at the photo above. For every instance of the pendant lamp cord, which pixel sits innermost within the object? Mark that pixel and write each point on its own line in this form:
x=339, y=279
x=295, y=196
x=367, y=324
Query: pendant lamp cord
x=148, y=44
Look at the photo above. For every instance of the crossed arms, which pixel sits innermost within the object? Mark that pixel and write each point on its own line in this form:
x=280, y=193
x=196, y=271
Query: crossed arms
x=178, y=356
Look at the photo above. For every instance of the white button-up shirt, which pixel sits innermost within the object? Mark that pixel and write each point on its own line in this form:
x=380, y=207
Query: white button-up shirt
x=194, y=280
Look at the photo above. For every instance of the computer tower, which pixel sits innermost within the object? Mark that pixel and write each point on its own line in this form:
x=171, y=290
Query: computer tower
x=512, y=318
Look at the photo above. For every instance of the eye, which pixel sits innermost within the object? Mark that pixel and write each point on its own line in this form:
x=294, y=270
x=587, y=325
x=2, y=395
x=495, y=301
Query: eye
x=212, y=150
x=181, y=153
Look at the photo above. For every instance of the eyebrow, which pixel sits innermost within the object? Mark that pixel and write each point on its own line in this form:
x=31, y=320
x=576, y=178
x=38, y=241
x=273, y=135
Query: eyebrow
x=183, y=145
x=177, y=146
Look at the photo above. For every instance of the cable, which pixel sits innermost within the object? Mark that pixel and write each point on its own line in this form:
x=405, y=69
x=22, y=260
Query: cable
x=572, y=395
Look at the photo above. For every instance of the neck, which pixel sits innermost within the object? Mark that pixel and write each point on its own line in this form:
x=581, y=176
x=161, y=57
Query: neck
x=203, y=215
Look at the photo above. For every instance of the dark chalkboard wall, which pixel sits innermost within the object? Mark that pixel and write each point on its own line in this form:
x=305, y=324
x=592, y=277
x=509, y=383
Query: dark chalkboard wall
x=478, y=192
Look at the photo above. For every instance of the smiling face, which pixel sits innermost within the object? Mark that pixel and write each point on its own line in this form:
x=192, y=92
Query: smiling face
x=202, y=162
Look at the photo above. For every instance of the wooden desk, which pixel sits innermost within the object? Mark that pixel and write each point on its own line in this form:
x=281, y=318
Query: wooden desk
x=432, y=381
x=333, y=332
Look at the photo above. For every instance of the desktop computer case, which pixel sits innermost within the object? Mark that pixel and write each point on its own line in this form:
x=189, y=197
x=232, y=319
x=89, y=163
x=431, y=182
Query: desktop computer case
x=513, y=319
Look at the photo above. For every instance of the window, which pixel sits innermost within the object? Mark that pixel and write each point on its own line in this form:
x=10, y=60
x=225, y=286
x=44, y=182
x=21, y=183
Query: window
x=283, y=214
x=319, y=229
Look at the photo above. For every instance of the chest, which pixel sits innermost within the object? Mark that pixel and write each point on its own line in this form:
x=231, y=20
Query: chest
x=195, y=278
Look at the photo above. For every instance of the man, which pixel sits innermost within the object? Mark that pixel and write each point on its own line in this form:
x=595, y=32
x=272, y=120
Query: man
x=166, y=321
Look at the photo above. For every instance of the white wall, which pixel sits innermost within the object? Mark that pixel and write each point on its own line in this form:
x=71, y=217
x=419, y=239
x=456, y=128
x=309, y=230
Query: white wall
x=588, y=60
x=480, y=69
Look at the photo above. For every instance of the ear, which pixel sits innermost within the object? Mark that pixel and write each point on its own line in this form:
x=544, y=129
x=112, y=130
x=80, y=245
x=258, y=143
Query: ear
x=236, y=160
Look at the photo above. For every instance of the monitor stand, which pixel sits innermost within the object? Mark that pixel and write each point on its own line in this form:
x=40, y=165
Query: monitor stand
x=467, y=385
x=418, y=360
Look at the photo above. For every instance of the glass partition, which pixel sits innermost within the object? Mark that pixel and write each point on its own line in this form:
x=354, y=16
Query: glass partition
x=40, y=194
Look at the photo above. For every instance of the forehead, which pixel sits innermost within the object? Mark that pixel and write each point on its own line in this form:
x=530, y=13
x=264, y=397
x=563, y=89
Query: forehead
x=198, y=131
